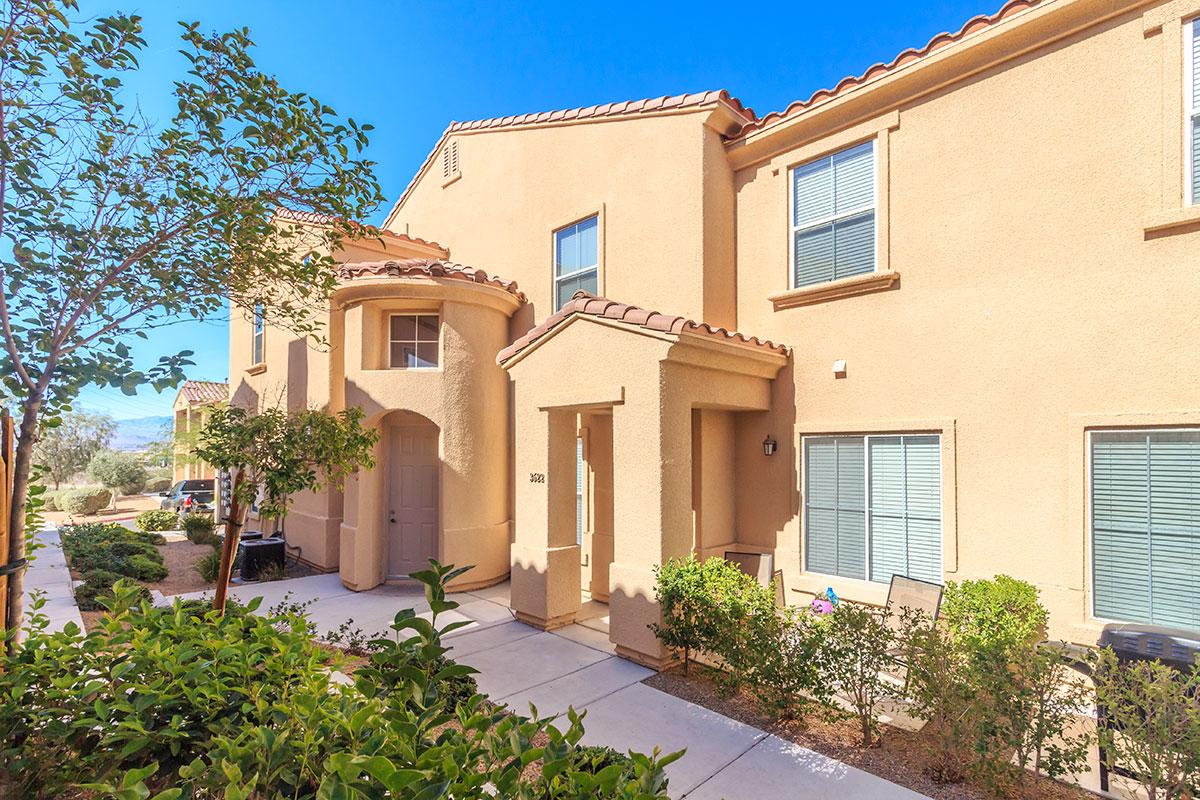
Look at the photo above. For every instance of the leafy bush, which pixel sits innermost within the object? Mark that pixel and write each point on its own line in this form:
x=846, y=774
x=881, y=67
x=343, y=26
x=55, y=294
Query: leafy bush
x=157, y=520
x=131, y=488
x=1000, y=615
x=85, y=502
x=244, y=706
x=116, y=470
x=98, y=586
x=51, y=500
x=861, y=648
x=714, y=607
x=1156, y=710
x=209, y=566
x=791, y=676
x=199, y=528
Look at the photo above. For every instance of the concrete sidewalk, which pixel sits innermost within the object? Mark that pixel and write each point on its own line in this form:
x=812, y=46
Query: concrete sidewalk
x=576, y=667
x=49, y=575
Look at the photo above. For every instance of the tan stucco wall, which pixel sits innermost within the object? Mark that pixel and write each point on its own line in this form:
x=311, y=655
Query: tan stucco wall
x=1030, y=297
x=665, y=237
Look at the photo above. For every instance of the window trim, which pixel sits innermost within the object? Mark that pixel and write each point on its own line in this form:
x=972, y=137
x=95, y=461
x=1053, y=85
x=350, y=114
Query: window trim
x=390, y=341
x=258, y=336
x=1191, y=111
x=878, y=130
x=598, y=213
x=866, y=436
x=793, y=228
x=1169, y=209
x=1089, y=547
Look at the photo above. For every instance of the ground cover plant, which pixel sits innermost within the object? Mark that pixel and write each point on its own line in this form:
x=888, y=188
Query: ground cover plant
x=101, y=552
x=185, y=702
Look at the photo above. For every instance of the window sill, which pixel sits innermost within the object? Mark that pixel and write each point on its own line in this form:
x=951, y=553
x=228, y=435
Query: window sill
x=1175, y=218
x=834, y=290
x=257, y=369
x=451, y=179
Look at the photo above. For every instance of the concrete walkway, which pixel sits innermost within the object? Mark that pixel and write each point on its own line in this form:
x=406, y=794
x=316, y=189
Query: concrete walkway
x=576, y=667
x=49, y=575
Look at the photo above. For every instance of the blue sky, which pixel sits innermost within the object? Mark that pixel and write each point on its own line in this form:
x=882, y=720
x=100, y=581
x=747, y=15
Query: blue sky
x=411, y=67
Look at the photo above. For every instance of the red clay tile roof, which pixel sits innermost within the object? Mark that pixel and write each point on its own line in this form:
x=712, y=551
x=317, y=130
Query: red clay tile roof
x=316, y=218
x=624, y=108
x=973, y=25
x=198, y=393
x=428, y=267
x=584, y=303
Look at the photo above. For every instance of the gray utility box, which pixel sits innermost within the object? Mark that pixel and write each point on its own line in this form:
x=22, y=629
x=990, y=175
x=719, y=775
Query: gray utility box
x=259, y=555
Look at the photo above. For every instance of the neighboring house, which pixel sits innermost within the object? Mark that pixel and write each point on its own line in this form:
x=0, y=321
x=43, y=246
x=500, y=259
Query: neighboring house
x=192, y=404
x=982, y=260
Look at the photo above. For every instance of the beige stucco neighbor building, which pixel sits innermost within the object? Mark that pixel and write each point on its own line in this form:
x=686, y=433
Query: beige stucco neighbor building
x=192, y=404
x=966, y=285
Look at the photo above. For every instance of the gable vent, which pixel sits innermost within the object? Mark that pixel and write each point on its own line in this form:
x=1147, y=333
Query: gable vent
x=450, y=159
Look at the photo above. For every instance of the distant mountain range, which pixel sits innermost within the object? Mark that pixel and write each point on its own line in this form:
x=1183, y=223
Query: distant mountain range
x=135, y=434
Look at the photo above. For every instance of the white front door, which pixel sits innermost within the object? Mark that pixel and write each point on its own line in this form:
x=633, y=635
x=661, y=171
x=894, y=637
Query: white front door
x=413, y=512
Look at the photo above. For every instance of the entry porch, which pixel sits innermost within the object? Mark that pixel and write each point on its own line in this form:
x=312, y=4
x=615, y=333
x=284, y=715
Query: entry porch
x=647, y=404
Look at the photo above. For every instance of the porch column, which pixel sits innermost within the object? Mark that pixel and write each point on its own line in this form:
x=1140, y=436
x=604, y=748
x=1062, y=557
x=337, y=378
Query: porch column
x=545, y=556
x=652, y=520
x=362, y=551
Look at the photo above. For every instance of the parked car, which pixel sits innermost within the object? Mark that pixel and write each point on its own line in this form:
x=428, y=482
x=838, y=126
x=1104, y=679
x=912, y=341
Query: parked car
x=189, y=497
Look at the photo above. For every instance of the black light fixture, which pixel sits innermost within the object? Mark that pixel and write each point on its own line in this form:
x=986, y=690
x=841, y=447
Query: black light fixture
x=769, y=446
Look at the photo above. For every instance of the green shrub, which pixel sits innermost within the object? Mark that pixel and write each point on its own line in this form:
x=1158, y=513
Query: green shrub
x=200, y=529
x=131, y=488
x=244, y=706
x=861, y=649
x=95, y=583
x=1156, y=711
x=209, y=565
x=714, y=607
x=791, y=674
x=85, y=502
x=1002, y=614
x=147, y=569
x=51, y=500
x=117, y=470
x=157, y=520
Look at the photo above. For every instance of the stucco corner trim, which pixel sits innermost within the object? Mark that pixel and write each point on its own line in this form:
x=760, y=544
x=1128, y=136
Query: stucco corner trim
x=256, y=369
x=604, y=396
x=1172, y=220
x=1155, y=19
x=834, y=290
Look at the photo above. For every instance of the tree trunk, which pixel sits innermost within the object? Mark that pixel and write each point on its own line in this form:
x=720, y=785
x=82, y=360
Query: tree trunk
x=22, y=464
x=233, y=534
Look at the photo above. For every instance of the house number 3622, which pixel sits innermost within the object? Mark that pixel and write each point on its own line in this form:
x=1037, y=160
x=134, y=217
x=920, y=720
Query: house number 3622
x=537, y=477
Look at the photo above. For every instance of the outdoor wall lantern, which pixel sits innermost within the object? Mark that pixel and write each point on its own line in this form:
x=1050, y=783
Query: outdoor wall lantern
x=769, y=446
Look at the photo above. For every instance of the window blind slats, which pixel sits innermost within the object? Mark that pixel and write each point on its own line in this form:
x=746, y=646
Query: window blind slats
x=833, y=216
x=854, y=245
x=899, y=478
x=1195, y=123
x=813, y=188
x=1194, y=115
x=1146, y=526
x=854, y=178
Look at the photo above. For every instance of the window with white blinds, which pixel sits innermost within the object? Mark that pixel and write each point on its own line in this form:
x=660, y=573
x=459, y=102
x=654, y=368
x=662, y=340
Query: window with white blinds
x=1146, y=526
x=873, y=506
x=258, y=336
x=579, y=490
x=1192, y=102
x=833, y=216
x=576, y=260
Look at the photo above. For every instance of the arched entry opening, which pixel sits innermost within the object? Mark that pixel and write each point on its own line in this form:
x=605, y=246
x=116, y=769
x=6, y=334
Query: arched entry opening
x=413, y=521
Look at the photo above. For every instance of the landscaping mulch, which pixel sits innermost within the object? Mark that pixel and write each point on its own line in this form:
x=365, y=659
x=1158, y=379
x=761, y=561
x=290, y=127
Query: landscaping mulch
x=180, y=559
x=899, y=758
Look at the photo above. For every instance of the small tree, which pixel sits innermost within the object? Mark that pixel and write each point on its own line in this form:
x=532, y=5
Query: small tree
x=275, y=454
x=117, y=471
x=861, y=649
x=66, y=444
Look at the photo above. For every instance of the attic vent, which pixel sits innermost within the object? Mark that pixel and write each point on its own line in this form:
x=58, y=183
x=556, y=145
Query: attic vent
x=450, y=159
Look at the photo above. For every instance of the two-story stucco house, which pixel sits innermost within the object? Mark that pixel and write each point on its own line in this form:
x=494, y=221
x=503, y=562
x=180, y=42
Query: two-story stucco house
x=966, y=290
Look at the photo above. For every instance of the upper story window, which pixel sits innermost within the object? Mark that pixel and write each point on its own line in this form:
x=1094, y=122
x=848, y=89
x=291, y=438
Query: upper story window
x=873, y=506
x=576, y=260
x=1146, y=526
x=1192, y=105
x=413, y=340
x=833, y=216
x=258, y=337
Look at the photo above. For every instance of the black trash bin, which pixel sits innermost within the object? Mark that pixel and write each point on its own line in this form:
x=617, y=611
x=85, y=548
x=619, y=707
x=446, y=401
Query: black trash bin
x=259, y=555
x=1176, y=647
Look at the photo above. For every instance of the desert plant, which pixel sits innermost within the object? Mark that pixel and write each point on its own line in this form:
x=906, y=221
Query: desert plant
x=1154, y=711
x=208, y=566
x=157, y=520
x=861, y=648
x=1044, y=695
x=200, y=529
x=113, y=548
x=85, y=502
